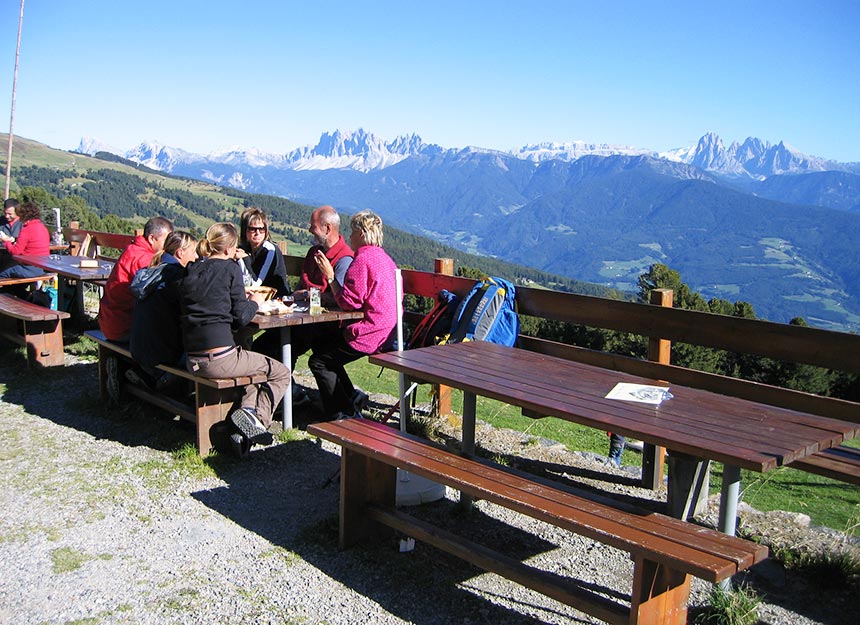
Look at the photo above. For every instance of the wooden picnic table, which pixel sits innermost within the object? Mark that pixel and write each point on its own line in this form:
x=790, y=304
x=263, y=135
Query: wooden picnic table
x=284, y=323
x=737, y=432
x=68, y=268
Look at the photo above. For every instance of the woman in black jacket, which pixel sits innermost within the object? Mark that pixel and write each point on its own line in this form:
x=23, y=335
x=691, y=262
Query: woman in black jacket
x=214, y=305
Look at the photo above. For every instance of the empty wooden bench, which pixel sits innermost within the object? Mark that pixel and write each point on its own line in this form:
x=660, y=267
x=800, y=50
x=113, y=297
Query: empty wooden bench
x=38, y=328
x=213, y=398
x=665, y=551
x=839, y=463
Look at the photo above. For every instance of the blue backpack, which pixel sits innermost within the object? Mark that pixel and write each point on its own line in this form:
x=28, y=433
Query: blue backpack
x=487, y=313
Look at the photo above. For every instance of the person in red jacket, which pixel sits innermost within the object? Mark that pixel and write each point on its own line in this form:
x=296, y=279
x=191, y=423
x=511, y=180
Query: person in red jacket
x=117, y=303
x=32, y=239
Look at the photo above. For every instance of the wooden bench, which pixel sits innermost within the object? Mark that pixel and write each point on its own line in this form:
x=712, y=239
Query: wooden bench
x=38, y=328
x=839, y=463
x=30, y=280
x=213, y=398
x=665, y=551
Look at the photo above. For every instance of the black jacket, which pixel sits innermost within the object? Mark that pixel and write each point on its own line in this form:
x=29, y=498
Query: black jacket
x=156, y=338
x=213, y=304
x=267, y=265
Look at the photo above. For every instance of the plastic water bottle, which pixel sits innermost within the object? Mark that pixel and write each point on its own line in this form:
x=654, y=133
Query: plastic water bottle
x=315, y=307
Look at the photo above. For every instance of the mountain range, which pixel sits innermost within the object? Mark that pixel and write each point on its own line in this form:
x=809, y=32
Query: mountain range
x=751, y=221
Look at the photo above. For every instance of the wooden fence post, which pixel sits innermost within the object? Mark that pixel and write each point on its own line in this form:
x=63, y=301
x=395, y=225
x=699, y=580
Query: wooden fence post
x=444, y=266
x=659, y=350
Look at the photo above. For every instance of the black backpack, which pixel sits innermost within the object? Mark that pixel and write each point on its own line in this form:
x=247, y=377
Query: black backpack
x=436, y=324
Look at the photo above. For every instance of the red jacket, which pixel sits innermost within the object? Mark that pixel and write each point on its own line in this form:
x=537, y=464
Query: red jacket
x=311, y=274
x=33, y=239
x=117, y=303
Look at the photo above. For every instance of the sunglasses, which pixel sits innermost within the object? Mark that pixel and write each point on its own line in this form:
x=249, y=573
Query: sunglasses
x=256, y=228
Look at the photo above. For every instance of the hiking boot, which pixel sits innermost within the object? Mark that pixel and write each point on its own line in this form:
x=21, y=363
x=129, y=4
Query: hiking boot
x=137, y=379
x=360, y=400
x=112, y=379
x=239, y=445
x=250, y=426
x=300, y=395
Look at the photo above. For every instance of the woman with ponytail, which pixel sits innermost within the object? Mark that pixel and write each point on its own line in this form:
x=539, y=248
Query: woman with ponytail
x=214, y=304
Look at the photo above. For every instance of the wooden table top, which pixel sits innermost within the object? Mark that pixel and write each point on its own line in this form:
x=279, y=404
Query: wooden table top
x=265, y=322
x=65, y=265
x=734, y=431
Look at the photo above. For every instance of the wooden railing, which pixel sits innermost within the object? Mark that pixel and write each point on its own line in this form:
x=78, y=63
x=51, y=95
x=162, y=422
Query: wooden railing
x=92, y=242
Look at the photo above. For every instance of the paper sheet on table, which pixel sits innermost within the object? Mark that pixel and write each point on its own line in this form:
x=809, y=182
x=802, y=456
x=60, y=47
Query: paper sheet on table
x=642, y=393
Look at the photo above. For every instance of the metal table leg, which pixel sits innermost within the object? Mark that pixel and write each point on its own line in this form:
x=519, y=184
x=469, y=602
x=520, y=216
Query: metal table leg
x=286, y=358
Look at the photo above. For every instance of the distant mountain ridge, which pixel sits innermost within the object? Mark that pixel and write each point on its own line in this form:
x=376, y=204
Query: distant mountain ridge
x=363, y=151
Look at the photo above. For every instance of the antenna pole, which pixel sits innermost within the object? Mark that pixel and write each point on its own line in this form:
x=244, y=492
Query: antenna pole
x=12, y=114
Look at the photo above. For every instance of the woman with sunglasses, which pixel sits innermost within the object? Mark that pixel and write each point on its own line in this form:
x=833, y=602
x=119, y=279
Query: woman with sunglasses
x=263, y=263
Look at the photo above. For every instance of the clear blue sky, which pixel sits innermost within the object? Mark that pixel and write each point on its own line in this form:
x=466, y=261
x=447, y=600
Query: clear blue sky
x=274, y=75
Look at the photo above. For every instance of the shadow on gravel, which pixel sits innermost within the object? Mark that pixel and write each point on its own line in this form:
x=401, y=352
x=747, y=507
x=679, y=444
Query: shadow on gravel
x=286, y=495
x=69, y=396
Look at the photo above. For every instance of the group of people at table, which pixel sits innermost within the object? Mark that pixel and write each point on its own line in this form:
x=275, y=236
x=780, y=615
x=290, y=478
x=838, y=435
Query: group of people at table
x=194, y=300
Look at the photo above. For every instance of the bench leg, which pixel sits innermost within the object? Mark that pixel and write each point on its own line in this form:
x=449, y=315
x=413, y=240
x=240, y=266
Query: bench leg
x=469, y=417
x=44, y=342
x=659, y=594
x=212, y=406
x=363, y=481
x=688, y=485
x=103, y=355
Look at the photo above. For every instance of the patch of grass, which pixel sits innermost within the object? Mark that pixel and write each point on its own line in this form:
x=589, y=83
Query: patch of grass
x=828, y=570
x=291, y=435
x=183, y=600
x=421, y=426
x=183, y=462
x=82, y=347
x=730, y=607
x=65, y=559
x=287, y=557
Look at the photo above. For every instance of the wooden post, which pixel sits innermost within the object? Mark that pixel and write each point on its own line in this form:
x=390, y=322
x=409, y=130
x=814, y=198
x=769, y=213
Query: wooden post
x=444, y=266
x=282, y=245
x=659, y=350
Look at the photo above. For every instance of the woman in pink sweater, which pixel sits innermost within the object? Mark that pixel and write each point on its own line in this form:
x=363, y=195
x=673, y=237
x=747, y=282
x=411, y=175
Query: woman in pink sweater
x=369, y=286
x=33, y=239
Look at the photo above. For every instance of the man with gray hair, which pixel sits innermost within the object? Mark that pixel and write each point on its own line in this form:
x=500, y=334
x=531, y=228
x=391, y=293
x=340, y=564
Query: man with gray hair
x=325, y=230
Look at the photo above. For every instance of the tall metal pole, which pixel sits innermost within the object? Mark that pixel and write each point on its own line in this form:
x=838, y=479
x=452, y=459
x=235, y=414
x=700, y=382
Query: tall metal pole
x=12, y=114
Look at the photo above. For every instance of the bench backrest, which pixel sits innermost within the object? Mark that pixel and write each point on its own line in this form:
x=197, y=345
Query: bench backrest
x=92, y=243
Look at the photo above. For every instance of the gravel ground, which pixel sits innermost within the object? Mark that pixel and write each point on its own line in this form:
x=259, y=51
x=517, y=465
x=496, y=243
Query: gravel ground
x=100, y=524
